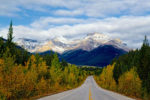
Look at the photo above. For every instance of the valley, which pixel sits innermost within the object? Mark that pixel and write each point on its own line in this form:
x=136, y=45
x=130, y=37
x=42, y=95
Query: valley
x=74, y=50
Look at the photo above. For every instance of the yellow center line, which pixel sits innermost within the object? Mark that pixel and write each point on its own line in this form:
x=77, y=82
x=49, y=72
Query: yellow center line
x=90, y=94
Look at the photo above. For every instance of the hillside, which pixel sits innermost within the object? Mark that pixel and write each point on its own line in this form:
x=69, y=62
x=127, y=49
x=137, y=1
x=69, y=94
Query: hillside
x=62, y=44
x=95, y=49
x=100, y=56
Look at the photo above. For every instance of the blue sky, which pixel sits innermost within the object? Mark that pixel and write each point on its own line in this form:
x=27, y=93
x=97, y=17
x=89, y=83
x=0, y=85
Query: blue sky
x=128, y=20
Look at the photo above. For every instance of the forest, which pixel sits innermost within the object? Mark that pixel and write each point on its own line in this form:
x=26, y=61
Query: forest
x=129, y=74
x=24, y=75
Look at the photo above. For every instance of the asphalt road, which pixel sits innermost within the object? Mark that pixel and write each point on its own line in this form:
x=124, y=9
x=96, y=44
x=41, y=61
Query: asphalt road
x=88, y=91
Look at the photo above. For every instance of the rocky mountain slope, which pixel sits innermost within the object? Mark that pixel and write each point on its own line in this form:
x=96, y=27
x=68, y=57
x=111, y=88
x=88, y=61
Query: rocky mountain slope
x=95, y=49
x=100, y=56
x=61, y=44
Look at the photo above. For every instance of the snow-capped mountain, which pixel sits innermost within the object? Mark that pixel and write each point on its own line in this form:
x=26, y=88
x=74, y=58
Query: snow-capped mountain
x=29, y=44
x=61, y=44
x=93, y=40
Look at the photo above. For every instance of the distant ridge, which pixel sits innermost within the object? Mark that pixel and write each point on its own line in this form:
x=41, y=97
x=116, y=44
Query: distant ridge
x=61, y=44
x=100, y=56
x=93, y=50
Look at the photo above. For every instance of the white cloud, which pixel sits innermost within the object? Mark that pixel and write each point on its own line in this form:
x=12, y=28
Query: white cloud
x=25, y=32
x=91, y=8
x=130, y=29
x=8, y=8
x=47, y=22
x=68, y=12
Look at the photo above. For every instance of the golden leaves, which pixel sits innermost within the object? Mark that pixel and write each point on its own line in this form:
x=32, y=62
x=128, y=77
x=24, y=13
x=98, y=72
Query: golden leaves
x=106, y=79
x=130, y=83
x=36, y=78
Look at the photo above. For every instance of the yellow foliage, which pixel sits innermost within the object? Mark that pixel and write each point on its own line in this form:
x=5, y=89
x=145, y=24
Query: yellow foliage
x=1, y=68
x=12, y=83
x=31, y=63
x=71, y=78
x=55, y=75
x=130, y=83
x=1, y=62
x=42, y=68
x=106, y=79
x=32, y=58
x=42, y=86
x=17, y=81
x=30, y=82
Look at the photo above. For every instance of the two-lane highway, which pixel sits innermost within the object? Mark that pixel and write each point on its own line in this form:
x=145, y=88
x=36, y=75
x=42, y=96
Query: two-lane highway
x=88, y=91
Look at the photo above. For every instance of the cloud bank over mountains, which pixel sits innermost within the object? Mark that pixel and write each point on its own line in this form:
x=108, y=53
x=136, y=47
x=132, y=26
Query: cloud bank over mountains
x=124, y=19
x=93, y=8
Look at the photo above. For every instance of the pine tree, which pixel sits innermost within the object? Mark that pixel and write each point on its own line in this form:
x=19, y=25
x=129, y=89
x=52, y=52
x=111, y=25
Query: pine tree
x=145, y=42
x=1, y=46
x=144, y=68
x=10, y=34
x=55, y=61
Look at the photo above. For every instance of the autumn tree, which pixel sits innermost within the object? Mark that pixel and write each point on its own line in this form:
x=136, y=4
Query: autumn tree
x=23, y=75
x=130, y=83
x=106, y=79
x=42, y=86
x=125, y=63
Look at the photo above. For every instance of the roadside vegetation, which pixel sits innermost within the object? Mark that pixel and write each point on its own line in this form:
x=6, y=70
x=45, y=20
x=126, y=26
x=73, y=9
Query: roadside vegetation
x=92, y=70
x=23, y=75
x=129, y=74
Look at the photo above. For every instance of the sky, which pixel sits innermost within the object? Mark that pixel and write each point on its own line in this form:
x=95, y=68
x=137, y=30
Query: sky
x=128, y=20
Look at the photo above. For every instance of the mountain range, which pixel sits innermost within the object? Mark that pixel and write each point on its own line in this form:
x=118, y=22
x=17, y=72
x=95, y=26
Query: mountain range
x=95, y=49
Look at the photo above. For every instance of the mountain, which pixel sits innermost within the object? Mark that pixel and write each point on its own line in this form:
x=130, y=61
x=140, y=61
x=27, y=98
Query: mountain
x=29, y=44
x=61, y=44
x=100, y=56
x=95, y=49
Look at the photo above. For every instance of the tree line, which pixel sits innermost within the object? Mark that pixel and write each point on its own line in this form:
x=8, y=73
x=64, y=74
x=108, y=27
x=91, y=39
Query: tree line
x=129, y=74
x=24, y=75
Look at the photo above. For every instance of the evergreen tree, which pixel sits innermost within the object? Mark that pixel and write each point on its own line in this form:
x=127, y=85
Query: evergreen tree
x=144, y=68
x=145, y=42
x=48, y=58
x=23, y=75
x=10, y=34
x=63, y=64
x=1, y=46
x=55, y=61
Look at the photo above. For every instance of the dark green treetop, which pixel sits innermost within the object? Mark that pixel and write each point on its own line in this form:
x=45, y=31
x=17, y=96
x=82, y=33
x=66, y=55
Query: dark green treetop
x=10, y=34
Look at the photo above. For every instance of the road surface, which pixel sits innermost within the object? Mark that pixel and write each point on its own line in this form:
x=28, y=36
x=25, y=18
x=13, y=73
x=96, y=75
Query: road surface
x=88, y=91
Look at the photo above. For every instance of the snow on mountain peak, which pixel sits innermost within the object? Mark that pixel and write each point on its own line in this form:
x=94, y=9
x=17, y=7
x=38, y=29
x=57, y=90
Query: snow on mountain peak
x=61, y=44
x=118, y=40
x=98, y=37
x=60, y=39
x=29, y=44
